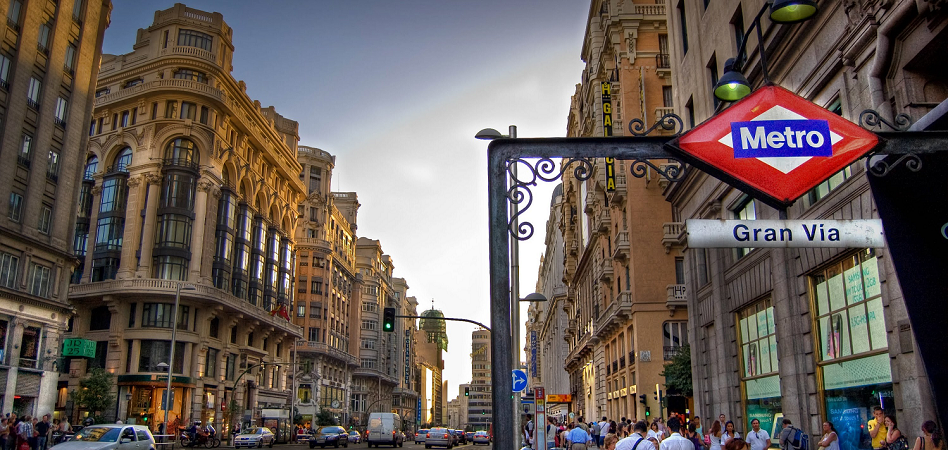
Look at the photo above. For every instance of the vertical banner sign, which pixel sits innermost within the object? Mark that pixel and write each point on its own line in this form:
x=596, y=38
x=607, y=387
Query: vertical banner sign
x=408, y=359
x=533, y=354
x=606, y=108
x=539, y=424
x=610, y=174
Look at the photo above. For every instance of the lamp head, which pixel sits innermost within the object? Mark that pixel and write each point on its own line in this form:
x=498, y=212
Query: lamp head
x=733, y=86
x=488, y=134
x=534, y=297
x=792, y=11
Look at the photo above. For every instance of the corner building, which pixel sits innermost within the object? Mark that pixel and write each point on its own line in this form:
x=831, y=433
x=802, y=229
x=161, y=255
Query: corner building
x=809, y=334
x=327, y=291
x=49, y=57
x=189, y=185
x=624, y=302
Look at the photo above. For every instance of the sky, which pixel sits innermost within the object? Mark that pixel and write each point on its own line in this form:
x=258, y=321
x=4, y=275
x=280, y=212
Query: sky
x=396, y=91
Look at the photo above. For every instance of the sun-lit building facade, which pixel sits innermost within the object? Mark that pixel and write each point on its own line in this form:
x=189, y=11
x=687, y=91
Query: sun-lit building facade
x=189, y=186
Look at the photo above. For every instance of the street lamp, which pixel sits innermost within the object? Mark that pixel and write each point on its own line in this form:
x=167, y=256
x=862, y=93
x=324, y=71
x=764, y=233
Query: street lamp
x=174, y=332
x=733, y=85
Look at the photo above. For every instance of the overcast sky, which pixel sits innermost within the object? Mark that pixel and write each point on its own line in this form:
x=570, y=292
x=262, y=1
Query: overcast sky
x=396, y=91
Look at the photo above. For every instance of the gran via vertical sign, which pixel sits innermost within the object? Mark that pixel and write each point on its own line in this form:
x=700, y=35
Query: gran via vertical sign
x=606, y=90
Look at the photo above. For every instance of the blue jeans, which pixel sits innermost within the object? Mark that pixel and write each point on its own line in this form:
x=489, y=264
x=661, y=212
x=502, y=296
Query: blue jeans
x=41, y=443
x=602, y=440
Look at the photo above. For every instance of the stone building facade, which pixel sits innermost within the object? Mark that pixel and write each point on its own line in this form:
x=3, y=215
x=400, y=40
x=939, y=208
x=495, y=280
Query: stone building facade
x=49, y=58
x=327, y=291
x=479, y=402
x=808, y=334
x=189, y=186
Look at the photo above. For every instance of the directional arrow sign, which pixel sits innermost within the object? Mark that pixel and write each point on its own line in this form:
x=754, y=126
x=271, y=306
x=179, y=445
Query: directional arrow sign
x=519, y=380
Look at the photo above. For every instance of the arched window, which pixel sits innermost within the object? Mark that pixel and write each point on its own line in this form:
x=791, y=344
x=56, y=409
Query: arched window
x=181, y=152
x=122, y=161
x=83, y=215
x=110, y=226
x=92, y=164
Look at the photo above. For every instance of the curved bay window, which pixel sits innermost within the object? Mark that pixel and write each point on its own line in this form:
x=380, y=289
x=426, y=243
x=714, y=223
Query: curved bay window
x=172, y=253
x=255, y=294
x=84, y=214
x=224, y=239
x=110, y=227
x=241, y=256
x=272, y=271
x=284, y=293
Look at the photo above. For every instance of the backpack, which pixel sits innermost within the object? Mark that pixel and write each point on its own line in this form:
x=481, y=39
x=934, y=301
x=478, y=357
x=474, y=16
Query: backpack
x=798, y=440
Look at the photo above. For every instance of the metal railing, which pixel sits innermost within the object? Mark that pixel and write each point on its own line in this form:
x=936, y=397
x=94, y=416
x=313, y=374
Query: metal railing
x=663, y=61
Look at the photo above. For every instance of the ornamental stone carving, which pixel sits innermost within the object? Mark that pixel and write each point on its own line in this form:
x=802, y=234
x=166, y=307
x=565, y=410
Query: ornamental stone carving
x=134, y=182
x=152, y=178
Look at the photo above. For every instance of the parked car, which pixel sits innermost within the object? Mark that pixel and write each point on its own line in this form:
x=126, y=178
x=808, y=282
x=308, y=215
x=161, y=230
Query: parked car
x=333, y=435
x=461, y=437
x=439, y=437
x=420, y=435
x=255, y=437
x=481, y=437
x=111, y=437
x=303, y=435
x=385, y=428
x=355, y=437
x=469, y=436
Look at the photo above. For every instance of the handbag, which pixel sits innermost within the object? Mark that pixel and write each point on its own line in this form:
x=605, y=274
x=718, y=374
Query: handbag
x=900, y=444
x=24, y=445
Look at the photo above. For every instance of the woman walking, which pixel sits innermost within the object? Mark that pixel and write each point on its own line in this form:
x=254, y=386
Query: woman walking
x=729, y=433
x=930, y=438
x=830, y=440
x=715, y=436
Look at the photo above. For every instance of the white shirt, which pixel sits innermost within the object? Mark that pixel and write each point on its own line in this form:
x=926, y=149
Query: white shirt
x=657, y=435
x=676, y=442
x=604, y=428
x=758, y=440
x=629, y=442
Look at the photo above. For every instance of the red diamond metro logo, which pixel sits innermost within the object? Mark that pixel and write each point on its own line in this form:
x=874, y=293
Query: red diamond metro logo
x=777, y=144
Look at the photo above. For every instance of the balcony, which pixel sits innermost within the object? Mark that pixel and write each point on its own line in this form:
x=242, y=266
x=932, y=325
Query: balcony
x=677, y=297
x=619, y=194
x=670, y=352
x=620, y=251
x=657, y=9
x=322, y=347
x=672, y=234
x=602, y=221
x=317, y=242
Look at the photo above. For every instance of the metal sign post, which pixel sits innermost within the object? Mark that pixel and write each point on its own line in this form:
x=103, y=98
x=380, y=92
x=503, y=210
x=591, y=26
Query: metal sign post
x=539, y=419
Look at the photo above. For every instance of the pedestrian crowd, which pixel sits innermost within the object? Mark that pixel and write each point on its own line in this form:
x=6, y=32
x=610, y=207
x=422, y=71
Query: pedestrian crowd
x=683, y=433
x=31, y=433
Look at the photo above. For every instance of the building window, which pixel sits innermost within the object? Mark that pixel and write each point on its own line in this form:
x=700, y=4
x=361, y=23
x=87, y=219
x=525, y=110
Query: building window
x=4, y=72
x=157, y=352
x=70, y=62
x=100, y=318
x=158, y=315
x=39, y=280
x=823, y=189
x=43, y=223
x=13, y=14
x=100, y=93
x=33, y=93
x=738, y=23
x=745, y=211
x=369, y=344
x=192, y=38
x=370, y=307
x=16, y=207
x=60, y=115
x=674, y=336
x=30, y=347
x=314, y=334
x=231, y=370
x=42, y=43
x=77, y=10
x=370, y=324
x=302, y=285
x=210, y=363
x=758, y=355
x=171, y=268
x=367, y=363
x=104, y=268
x=25, y=157
x=315, y=310
x=713, y=70
x=683, y=22
x=174, y=231
x=9, y=266
x=204, y=113
x=188, y=110
x=193, y=75
x=301, y=310
x=52, y=166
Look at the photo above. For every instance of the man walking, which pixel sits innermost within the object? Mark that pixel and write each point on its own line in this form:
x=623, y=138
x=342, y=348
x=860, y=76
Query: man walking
x=676, y=441
x=603, y=430
x=42, y=432
x=635, y=439
x=785, y=435
x=595, y=431
x=577, y=438
x=758, y=439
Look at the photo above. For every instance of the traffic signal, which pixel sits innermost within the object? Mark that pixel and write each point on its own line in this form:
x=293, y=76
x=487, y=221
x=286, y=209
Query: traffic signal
x=467, y=391
x=642, y=399
x=388, y=320
x=647, y=411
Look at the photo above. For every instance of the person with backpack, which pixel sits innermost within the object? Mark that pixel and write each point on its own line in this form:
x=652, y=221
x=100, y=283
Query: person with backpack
x=785, y=434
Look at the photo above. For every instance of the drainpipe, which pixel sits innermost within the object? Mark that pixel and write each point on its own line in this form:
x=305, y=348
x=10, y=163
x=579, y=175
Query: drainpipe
x=903, y=13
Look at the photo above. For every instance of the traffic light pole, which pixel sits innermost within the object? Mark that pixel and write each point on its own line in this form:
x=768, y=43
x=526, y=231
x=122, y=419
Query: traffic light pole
x=446, y=318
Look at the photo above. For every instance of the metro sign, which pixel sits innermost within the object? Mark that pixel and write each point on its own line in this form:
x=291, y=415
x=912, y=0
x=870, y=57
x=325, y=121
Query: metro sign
x=776, y=144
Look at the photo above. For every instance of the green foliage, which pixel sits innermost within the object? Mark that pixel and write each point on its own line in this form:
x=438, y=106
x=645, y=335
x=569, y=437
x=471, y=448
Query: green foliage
x=324, y=418
x=678, y=373
x=95, y=392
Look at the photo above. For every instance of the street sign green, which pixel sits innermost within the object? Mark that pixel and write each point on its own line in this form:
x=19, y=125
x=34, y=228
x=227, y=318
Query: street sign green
x=82, y=348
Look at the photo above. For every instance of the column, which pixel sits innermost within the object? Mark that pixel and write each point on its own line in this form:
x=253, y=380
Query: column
x=132, y=233
x=197, y=229
x=148, y=226
x=13, y=343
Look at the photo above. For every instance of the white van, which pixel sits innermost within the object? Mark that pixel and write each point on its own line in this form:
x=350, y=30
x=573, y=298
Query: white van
x=385, y=428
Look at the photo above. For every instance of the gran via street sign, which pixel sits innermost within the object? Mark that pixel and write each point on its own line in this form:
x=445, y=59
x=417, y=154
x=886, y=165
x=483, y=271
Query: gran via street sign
x=784, y=233
x=776, y=145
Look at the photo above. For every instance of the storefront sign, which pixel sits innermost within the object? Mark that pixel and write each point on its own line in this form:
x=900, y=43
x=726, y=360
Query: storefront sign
x=858, y=372
x=610, y=174
x=866, y=233
x=559, y=398
x=82, y=348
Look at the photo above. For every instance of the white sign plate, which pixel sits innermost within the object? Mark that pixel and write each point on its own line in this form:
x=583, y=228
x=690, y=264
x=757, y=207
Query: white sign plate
x=865, y=233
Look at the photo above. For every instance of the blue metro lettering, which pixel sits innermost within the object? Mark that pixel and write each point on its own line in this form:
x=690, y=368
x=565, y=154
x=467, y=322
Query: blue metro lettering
x=781, y=138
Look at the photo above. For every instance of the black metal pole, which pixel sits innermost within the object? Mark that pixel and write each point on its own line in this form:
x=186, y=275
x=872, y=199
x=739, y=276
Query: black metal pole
x=455, y=319
x=500, y=345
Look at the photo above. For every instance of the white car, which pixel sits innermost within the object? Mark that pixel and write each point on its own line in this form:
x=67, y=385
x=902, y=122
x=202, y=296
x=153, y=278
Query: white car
x=255, y=437
x=111, y=437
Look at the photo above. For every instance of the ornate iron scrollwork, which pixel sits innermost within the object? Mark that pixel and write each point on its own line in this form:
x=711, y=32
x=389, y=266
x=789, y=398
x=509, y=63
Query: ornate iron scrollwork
x=668, y=122
x=671, y=172
x=520, y=195
x=878, y=166
x=870, y=119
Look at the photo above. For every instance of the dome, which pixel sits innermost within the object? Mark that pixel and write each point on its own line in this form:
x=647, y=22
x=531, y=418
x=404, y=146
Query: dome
x=435, y=329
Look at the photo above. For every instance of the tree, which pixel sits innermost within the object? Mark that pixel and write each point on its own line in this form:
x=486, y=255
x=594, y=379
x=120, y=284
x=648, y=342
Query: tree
x=324, y=418
x=678, y=373
x=95, y=392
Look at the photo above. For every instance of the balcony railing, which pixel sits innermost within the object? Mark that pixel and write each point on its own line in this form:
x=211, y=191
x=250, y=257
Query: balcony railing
x=663, y=61
x=671, y=351
x=677, y=296
x=621, y=249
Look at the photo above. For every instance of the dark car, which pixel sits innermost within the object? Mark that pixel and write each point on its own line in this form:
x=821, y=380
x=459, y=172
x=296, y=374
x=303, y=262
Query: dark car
x=462, y=438
x=329, y=435
x=469, y=436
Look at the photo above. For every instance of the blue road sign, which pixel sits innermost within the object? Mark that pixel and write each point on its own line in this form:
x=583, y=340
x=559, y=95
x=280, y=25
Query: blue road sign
x=519, y=380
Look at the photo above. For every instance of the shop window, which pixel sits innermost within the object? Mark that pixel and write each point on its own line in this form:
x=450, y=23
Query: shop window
x=156, y=352
x=758, y=350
